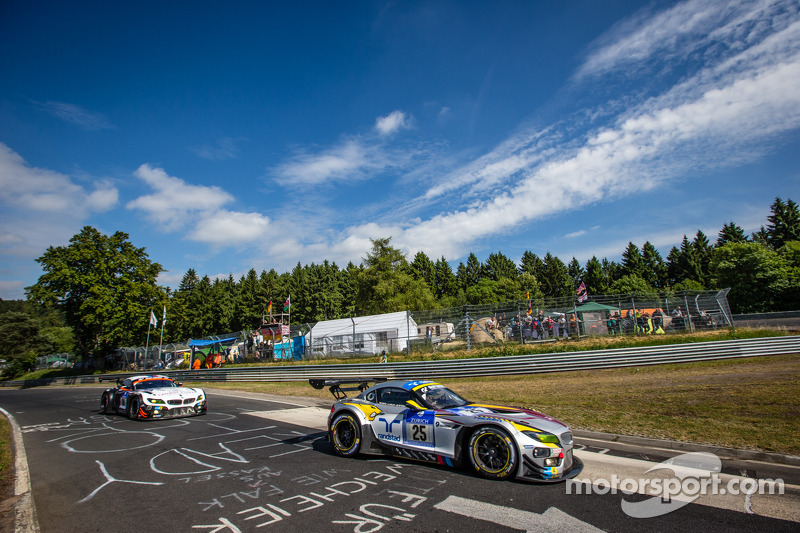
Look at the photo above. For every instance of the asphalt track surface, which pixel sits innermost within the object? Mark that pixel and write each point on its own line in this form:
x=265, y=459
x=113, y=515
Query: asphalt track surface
x=259, y=463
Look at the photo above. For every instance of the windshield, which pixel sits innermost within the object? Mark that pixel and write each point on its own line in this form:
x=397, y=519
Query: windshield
x=440, y=397
x=153, y=384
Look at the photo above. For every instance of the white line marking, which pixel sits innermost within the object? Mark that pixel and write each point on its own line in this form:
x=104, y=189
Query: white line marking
x=552, y=519
x=310, y=417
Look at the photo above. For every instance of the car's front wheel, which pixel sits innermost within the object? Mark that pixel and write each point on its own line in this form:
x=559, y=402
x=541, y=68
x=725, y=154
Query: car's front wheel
x=133, y=408
x=493, y=453
x=105, y=403
x=346, y=435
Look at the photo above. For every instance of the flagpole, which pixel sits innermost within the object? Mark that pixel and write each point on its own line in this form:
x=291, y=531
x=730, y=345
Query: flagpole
x=163, y=323
x=147, y=345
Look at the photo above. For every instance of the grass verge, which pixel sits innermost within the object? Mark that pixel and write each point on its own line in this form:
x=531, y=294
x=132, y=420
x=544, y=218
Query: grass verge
x=6, y=459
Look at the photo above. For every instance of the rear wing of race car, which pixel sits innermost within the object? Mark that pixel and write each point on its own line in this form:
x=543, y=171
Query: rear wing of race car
x=339, y=392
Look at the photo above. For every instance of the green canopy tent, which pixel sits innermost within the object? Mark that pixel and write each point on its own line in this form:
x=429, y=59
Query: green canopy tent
x=594, y=317
x=594, y=307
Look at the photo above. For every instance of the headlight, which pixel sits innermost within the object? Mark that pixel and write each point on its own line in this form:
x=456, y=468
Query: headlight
x=542, y=437
x=200, y=398
x=155, y=401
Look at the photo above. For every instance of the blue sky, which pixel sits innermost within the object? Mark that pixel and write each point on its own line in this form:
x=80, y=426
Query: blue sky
x=230, y=136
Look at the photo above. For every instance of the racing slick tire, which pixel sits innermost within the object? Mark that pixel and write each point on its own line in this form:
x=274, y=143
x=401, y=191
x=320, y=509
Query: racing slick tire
x=105, y=403
x=493, y=453
x=346, y=435
x=134, y=404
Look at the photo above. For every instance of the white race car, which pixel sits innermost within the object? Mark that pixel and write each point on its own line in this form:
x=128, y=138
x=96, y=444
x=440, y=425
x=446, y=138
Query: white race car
x=426, y=421
x=153, y=396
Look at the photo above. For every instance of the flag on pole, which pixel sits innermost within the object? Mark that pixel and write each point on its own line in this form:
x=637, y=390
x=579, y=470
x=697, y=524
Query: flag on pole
x=530, y=305
x=581, y=293
x=269, y=308
x=153, y=320
x=164, y=318
x=287, y=304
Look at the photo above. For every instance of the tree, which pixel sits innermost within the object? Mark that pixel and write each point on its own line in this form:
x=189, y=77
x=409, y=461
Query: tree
x=555, y=281
x=385, y=284
x=446, y=284
x=23, y=342
x=532, y=264
x=491, y=291
x=790, y=254
x=576, y=272
x=730, y=232
x=702, y=253
x=499, y=266
x=105, y=286
x=348, y=284
x=633, y=284
x=423, y=268
x=532, y=288
x=632, y=262
x=755, y=273
x=251, y=302
x=469, y=274
x=784, y=223
x=613, y=270
x=595, y=277
x=685, y=264
x=655, y=271
x=223, y=296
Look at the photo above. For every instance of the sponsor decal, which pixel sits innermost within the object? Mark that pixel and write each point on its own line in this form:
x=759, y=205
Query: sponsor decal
x=411, y=385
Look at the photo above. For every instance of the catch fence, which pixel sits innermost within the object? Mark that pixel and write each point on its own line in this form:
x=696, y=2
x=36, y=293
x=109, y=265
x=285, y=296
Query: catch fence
x=465, y=327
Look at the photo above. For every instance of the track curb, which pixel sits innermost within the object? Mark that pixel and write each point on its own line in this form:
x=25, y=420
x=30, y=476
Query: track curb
x=25, y=520
x=682, y=447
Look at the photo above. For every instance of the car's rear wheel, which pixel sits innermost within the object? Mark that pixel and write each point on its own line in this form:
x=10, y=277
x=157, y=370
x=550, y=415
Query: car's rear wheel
x=493, y=453
x=105, y=403
x=133, y=408
x=346, y=435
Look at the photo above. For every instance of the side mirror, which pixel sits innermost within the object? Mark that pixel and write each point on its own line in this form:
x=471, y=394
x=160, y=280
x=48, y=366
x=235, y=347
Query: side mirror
x=411, y=404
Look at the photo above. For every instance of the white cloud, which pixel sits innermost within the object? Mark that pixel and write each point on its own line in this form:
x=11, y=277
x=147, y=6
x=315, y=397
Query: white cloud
x=394, y=121
x=229, y=228
x=40, y=208
x=47, y=192
x=687, y=28
x=175, y=203
x=89, y=120
x=344, y=162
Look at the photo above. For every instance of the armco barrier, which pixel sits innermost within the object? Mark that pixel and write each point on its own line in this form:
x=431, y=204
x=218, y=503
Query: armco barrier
x=492, y=366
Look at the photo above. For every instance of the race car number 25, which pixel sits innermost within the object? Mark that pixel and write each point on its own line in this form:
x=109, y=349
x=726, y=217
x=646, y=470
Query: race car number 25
x=419, y=432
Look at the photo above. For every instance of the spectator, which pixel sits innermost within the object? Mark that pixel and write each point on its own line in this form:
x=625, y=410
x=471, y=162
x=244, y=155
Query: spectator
x=612, y=324
x=562, y=324
x=658, y=319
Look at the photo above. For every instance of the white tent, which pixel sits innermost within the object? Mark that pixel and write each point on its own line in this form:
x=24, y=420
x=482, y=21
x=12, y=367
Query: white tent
x=364, y=335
